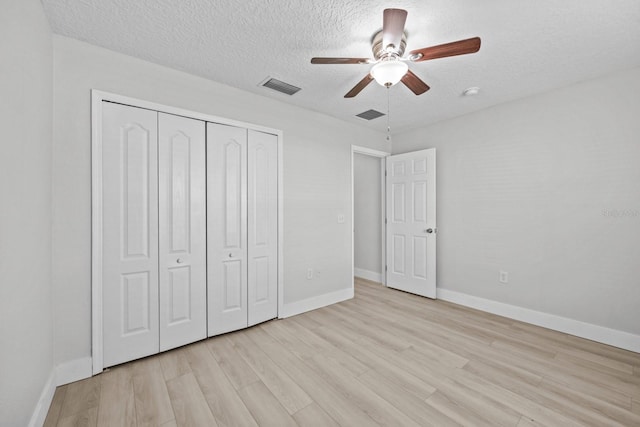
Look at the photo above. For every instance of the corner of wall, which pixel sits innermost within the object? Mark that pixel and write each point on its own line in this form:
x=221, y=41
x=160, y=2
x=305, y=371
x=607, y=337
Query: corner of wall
x=44, y=402
x=62, y=374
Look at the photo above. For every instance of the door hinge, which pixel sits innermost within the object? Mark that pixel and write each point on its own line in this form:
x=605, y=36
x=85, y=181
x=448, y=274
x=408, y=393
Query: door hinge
x=385, y=220
x=385, y=268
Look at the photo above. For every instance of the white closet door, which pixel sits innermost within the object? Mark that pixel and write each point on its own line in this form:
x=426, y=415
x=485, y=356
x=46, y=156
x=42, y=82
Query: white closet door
x=130, y=233
x=262, y=218
x=226, y=228
x=182, y=221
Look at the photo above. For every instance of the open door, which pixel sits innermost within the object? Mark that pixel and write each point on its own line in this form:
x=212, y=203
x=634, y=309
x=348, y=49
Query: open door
x=411, y=222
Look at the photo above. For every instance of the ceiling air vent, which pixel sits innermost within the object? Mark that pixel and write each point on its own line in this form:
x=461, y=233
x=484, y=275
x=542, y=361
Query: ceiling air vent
x=280, y=86
x=370, y=115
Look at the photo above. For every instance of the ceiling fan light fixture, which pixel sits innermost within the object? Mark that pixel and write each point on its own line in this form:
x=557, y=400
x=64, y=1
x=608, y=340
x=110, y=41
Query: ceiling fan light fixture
x=390, y=65
x=388, y=73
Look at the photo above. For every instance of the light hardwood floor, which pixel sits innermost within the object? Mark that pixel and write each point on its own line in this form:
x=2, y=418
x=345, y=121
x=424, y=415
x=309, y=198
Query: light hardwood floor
x=385, y=357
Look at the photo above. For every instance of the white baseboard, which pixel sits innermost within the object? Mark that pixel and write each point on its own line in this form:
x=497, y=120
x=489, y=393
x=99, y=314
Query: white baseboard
x=299, y=307
x=42, y=407
x=367, y=274
x=73, y=370
x=620, y=339
x=62, y=374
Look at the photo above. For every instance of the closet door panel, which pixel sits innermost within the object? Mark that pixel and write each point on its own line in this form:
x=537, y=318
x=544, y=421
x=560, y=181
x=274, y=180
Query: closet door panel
x=226, y=228
x=262, y=216
x=130, y=233
x=182, y=224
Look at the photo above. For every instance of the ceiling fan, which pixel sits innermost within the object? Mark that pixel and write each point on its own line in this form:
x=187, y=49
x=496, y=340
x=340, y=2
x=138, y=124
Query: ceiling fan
x=388, y=49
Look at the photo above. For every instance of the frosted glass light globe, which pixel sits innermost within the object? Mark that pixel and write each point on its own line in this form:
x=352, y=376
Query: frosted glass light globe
x=388, y=73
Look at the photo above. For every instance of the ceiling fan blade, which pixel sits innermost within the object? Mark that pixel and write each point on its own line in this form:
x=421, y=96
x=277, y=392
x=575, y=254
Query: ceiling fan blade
x=361, y=85
x=414, y=83
x=340, y=60
x=393, y=27
x=461, y=47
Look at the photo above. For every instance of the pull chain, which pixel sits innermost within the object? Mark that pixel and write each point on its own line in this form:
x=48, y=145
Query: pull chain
x=388, y=117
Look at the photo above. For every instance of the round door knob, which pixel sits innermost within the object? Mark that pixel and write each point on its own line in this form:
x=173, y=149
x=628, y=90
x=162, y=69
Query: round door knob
x=230, y=255
x=429, y=230
x=179, y=260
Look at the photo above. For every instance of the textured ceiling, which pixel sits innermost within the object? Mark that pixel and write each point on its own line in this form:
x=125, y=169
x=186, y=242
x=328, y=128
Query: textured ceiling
x=527, y=46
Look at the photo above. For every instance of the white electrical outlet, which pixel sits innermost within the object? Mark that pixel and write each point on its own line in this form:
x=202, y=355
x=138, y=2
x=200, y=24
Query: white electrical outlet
x=309, y=273
x=341, y=219
x=504, y=277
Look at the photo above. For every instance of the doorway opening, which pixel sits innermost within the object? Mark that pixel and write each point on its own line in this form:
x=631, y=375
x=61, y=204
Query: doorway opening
x=368, y=255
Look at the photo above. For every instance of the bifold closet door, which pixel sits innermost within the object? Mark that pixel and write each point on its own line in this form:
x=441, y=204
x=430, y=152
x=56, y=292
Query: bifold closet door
x=262, y=219
x=226, y=228
x=130, y=233
x=242, y=227
x=154, y=232
x=182, y=221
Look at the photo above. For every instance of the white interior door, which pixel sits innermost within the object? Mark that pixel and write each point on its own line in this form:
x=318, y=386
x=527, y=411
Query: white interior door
x=182, y=221
x=130, y=233
x=411, y=222
x=262, y=218
x=226, y=228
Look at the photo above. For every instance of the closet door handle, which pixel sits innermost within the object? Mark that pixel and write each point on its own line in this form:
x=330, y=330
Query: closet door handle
x=230, y=255
x=179, y=260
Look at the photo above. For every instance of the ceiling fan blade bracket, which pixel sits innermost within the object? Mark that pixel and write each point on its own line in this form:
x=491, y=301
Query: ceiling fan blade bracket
x=460, y=47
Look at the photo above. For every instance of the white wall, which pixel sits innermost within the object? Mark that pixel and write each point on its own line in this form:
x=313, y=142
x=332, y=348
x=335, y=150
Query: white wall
x=26, y=335
x=548, y=189
x=317, y=175
x=367, y=216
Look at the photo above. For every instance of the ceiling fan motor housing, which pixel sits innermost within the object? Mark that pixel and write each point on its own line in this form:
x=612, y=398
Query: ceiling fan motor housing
x=380, y=51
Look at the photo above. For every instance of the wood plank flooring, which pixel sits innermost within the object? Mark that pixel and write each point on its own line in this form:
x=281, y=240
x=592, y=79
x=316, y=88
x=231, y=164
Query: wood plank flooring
x=383, y=358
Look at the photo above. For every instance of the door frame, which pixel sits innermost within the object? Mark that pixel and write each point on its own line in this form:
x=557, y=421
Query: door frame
x=381, y=155
x=97, y=97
